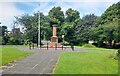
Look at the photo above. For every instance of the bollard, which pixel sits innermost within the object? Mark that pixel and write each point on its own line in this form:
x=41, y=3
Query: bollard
x=72, y=46
x=37, y=45
x=62, y=46
x=55, y=46
x=47, y=46
x=30, y=46
x=33, y=45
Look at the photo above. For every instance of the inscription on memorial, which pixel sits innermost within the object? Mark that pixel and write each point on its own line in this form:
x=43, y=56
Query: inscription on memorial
x=53, y=39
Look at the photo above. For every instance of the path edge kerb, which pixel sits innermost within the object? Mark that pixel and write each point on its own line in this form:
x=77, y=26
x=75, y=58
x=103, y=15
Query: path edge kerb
x=53, y=71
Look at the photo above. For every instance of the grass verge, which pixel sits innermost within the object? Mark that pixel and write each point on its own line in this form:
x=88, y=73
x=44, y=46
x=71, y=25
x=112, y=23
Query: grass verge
x=95, y=48
x=86, y=63
x=8, y=54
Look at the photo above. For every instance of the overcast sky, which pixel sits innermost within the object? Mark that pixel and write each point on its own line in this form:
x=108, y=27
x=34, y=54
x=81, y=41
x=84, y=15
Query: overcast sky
x=11, y=8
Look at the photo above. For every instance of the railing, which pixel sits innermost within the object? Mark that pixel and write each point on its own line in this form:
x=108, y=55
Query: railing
x=32, y=46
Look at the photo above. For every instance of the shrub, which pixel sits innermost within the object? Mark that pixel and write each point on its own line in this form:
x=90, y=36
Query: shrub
x=115, y=55
x=89, y=46
x=118, y=54
x=118, y=51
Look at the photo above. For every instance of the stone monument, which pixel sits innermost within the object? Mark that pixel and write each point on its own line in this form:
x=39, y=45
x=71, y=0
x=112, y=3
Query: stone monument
x=54, y=38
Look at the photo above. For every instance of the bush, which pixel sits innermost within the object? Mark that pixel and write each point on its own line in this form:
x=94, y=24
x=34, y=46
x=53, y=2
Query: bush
x=89, y=46
x=115, y=55
x=118, y=51
x=95, y=44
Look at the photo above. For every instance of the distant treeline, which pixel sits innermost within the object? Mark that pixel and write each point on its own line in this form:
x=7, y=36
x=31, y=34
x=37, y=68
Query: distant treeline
x=103, y=30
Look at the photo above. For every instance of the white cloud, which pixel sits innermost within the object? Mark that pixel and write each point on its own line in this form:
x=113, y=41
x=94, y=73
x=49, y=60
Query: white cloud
x=8, y=9
x=43, y=7
x=19, y=0
x=83, y=6
x=7, y=13
x=59, y=0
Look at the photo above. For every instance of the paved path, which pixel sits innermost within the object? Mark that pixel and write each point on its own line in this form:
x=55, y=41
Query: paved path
x=41, y=62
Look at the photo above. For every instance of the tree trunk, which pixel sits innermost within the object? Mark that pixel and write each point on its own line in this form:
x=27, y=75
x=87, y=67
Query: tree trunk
x=110, y=42
x=114, y=44
x=100, y=44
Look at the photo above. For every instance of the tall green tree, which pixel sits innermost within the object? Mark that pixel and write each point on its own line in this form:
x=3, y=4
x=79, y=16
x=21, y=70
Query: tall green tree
x=56, y=14
x=30, y=23
x=46, y=29
x=69, y=32
x=16, y=36
x=108, y=33
x=3, y=34
x=72, y=15
x=68, y=27
x=3, y=30
x=110, y=14
x=84, y=25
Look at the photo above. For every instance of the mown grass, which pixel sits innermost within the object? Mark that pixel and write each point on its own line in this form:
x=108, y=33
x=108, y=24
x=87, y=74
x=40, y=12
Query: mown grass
x=14, y=45
x=89, y=46
x=10, y=54
x=87, y=63
x=95, y=48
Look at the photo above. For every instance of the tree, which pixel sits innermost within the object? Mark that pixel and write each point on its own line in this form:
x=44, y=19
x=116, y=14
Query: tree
x=16, y=36
x=83, y=27
x=72, y=15
x=56, y=14
x=46, y=29
x=30, y=23
x=3, y=34
x=0, y=30
x=105, y=33
x=4, y=30
x=68, y=27
x=110, y=14
x=90, y=20
x=68, y=31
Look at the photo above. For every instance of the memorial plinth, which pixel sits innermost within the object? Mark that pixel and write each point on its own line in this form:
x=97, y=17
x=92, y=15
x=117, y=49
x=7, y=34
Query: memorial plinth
x=54, y=38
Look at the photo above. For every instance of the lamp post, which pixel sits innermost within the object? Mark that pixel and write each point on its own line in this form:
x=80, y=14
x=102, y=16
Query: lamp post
x=39, y=30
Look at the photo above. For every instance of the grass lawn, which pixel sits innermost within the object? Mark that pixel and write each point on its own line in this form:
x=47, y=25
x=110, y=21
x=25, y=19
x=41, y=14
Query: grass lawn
x=95, y=48
x=86, y=63
x=10, y=54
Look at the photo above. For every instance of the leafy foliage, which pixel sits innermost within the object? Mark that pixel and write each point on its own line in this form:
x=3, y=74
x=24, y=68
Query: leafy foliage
x=110, y=14
x=84, y=26
x=56, y=15
x=31, y=26
x=72, y=15
x=102, y=30
x=106, y=32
